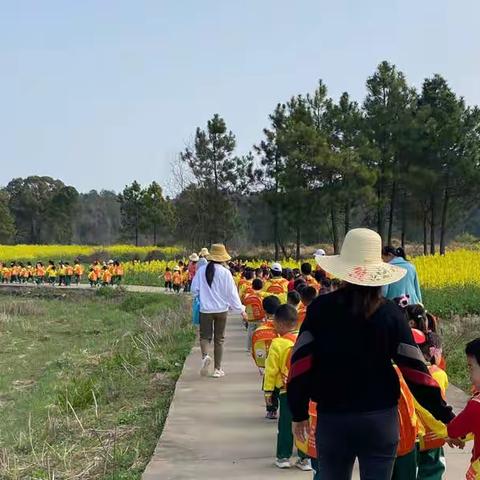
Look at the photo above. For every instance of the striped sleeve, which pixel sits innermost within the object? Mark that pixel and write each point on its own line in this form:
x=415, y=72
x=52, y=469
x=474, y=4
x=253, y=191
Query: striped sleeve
x=299, y=379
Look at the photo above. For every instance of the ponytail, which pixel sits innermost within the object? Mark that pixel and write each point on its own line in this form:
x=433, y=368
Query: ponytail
x=400, y=252
x=210, y=273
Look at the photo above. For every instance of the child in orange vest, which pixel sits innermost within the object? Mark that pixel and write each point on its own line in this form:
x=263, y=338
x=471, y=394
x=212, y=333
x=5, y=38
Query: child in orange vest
x=261, y=342
x=68, y=274
x=39, y=273
x=118, y=272
x=177, y=279
x=168, y=279
x=77, y=272
x=276, y=374
x=92, y=277
x=106, y=276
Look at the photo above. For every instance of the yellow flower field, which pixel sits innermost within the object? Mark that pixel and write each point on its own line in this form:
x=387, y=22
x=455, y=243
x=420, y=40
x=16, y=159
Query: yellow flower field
x=69, y=252
x=457, y=268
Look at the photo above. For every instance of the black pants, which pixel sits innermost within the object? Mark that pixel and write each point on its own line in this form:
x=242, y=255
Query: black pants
x=371, y=437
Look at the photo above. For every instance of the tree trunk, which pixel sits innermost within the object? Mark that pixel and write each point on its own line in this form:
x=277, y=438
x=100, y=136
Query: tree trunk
x=275, y=231
x=392, y=212
x=432, y=225
x=136, y=235
x=154, y=233
x=347, y=217
x=333, y=216
x=443, y=227
x=425, y=231
x=404, y=218
x=380, y=216
x=297, y=253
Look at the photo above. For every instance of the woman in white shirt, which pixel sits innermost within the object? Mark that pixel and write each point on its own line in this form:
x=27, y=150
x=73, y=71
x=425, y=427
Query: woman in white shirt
x=218, y=294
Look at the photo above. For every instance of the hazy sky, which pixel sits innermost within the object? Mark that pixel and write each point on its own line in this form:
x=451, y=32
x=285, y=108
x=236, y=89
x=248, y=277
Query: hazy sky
x=98, y=93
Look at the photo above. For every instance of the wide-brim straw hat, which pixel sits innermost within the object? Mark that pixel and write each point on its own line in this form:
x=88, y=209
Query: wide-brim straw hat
x=360, y=261
x=194, y=257
x=218, y=253
x=204, y=252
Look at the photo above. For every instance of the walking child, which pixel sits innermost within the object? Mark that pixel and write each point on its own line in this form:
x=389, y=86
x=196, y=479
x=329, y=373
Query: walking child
x=168, y=279
x=276, y=374
x=177, y=279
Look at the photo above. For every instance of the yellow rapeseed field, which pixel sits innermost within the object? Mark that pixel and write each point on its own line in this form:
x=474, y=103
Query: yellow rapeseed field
x=69, y=252
x=456, y=268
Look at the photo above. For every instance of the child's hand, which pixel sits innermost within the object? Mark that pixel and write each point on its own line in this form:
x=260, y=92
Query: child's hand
x=301, y=430
x=455, y=442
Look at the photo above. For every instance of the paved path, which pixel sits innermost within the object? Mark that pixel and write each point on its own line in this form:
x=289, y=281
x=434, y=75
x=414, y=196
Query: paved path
x=216, y=430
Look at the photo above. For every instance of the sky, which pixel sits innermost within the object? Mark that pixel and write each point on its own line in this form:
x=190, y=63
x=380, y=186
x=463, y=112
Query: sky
x=98, y=93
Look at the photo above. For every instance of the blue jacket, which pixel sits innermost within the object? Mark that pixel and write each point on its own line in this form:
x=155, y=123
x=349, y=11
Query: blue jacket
x=408, y=285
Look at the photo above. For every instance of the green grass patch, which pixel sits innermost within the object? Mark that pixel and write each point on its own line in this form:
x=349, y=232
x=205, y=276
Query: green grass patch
x=457, y=332
x=87, y=382
x=445, y=302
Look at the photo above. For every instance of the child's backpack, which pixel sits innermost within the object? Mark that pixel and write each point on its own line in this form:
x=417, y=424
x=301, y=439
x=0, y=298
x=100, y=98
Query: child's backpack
x=261, y=340
x=407, y=418
x=275, y=289
x=254, y=308
x=309, y=447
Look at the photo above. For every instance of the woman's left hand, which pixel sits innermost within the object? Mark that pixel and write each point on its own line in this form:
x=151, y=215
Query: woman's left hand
x=301, y=430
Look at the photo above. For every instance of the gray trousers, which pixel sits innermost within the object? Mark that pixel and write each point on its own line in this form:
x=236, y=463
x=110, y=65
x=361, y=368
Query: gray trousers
x=212, y=327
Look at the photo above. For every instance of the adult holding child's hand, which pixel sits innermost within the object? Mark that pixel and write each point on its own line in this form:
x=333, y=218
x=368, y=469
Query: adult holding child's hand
x=343, y=358
x=218, y=294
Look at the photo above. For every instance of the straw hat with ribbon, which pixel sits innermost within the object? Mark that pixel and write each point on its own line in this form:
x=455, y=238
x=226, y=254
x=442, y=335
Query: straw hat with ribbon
x=204, y=252
x=360, y=261
x=218, y=253
x=194, y=257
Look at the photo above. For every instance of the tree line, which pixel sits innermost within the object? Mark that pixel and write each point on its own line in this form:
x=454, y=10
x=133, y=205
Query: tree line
x=404, y=161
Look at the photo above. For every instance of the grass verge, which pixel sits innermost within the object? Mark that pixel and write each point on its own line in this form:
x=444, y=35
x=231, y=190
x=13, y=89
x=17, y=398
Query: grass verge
x=87, y=382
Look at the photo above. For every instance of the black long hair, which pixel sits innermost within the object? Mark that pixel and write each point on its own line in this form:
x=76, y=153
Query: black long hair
x=362, y=301
x=210, y=272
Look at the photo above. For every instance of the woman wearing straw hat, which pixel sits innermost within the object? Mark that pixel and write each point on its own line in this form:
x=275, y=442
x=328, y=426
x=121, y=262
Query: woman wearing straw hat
x=216, y=289
x=343, y=361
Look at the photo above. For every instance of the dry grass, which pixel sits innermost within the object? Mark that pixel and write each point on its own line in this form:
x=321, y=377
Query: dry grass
x=93, y=407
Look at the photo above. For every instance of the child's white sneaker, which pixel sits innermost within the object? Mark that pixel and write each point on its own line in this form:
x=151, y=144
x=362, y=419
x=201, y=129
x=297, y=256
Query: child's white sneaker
x=218, y=373
x=282, y=463
x=304, y=464
x=206, y=361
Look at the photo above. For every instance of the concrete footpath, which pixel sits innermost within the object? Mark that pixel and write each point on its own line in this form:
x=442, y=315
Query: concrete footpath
x=216, y=430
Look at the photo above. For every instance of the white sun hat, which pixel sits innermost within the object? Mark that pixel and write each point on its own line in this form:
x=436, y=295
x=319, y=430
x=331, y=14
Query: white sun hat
x=360, y=261
x=276, y=267
x=319, y=253
x=194, y=257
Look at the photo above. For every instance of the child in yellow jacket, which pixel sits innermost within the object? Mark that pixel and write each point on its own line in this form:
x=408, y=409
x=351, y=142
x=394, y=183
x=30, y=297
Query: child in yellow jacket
x=276, y=374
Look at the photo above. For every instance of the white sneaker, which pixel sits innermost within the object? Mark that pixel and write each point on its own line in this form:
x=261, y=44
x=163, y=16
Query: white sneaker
x=304, y=464
x=218, y=373
x=282, y=463
x=207, y=360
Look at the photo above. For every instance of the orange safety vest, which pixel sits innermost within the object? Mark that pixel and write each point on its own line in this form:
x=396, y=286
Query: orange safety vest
x=107, y=276
x=69, y=270
x=168, y=276
x=40, y=272
x=254, y=308
x=78, y=269
x=177, y=278
x=407, y=418
x=119, y=271
x=261, y=340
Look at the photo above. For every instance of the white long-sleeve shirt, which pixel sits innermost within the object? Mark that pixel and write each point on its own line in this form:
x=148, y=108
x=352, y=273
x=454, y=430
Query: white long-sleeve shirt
x=222, y=296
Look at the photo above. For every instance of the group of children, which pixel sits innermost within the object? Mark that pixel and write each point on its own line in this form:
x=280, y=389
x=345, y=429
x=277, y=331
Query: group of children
x=276, y=301
x=61, y=274
x=181, y=276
